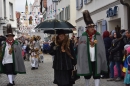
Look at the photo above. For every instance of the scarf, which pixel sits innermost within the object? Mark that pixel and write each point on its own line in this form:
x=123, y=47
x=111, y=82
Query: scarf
x=10, y=42
x=90, y=34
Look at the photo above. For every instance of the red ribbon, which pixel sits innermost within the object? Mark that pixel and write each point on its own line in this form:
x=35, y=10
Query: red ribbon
x=91, y=34
x=9, y=42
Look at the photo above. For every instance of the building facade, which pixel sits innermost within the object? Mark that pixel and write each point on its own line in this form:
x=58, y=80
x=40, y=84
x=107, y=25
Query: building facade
x=106, y=14
x=51, y=10
x=7, y=15
x=66, y=11
x=63, y=10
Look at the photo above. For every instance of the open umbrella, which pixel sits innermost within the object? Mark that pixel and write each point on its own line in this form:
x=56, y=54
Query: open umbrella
x=50, y=26
x=56, y=31
x=2, y=38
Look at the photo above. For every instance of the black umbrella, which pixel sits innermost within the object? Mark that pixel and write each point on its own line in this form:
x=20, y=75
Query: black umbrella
x=2, y=38
x=57, y=31
x=54, y=24
x=51, y=26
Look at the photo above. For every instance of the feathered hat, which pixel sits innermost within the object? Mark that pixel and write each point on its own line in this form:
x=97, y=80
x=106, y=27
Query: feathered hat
x=9, y=30
x=87, y=18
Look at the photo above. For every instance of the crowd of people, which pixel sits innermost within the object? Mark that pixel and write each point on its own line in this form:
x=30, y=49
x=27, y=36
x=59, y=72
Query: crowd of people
x=89, y=52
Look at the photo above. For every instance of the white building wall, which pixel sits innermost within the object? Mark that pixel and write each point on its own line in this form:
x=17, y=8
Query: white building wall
x=112, y=22
x=1, y=16
x=72, y=12
x=13, y=23
x=72, y=3
x=94, y=5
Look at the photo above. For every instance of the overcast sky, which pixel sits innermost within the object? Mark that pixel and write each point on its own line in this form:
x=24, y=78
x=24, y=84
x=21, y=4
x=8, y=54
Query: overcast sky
x=20, y=4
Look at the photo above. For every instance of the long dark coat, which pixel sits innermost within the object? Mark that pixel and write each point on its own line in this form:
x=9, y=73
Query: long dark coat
x=107, y=42
x=62, y=65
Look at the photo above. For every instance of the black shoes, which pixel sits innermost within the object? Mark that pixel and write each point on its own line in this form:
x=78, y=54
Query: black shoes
x=36, y=68
x=33, y=68
x=13, y=83
x=9, y=84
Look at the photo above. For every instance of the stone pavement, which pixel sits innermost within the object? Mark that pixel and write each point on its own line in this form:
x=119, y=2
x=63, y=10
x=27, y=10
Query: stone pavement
x=44, y=77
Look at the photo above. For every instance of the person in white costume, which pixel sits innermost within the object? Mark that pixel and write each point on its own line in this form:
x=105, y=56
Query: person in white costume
x=41, y=57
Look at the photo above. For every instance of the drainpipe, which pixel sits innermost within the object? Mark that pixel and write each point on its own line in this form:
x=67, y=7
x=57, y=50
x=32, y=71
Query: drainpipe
x=128, y=12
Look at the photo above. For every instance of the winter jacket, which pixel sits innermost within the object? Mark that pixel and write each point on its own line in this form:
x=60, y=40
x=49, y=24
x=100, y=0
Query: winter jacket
x=107, y=42
x=62, y=61
x=126, y=40
x=116, y=49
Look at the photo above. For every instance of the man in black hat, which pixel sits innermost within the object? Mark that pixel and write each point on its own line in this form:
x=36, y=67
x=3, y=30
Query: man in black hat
x=91, y=60
x=11, y=62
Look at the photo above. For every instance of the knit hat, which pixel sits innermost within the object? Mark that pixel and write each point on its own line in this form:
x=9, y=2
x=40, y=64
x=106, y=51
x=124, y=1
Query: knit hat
x=126, y=46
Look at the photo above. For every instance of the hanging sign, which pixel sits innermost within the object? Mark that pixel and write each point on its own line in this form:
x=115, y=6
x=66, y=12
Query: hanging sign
x=111, y=12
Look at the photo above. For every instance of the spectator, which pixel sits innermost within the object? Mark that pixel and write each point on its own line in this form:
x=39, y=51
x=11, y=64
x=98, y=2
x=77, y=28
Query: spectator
x=126, y=37
x=64, y=60
x=76, y=45
x=27, y=52
x=107, y=42
x=116, y=56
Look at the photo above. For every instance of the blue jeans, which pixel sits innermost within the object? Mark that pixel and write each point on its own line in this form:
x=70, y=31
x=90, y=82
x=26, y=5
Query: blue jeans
x=112, y=63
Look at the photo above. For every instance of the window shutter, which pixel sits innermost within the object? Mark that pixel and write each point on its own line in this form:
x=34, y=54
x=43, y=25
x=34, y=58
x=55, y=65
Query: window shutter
x=85, y=2
x=77, y=4
x=68, y=12
x=89, y=1
x=104, y=26
x=65, y=13
x=81, y=4
x=115, y=10
x=62, y=14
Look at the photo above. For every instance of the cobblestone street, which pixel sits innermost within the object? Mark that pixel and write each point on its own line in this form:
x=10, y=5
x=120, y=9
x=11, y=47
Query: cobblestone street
x=44, y=76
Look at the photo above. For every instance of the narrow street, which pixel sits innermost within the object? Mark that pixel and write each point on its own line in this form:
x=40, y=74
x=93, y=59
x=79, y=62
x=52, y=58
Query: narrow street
x=44, y=76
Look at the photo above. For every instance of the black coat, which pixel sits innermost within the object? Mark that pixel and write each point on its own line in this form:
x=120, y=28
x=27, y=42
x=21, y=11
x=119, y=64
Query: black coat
x=107, y=42
x=27, y=49
x=126, y=40
x=61, y=59
x=116, y=50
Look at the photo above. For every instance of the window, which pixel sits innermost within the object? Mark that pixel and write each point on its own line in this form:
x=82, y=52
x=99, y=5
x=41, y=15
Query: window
x=68, y=12
x=79, y=4
x=65, y=13
x=87, y=1
x=11, y=11
x=4, y=3
x=62, y=15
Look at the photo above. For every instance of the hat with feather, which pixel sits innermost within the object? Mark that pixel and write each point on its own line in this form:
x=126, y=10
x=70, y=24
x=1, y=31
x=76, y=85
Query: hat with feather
x=9, y=30
x=87, y=18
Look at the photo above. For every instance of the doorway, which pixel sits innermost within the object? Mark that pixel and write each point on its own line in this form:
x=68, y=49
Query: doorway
x=114, y=23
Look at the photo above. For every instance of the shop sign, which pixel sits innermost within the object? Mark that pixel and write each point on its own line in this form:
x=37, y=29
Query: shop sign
x=111, y=12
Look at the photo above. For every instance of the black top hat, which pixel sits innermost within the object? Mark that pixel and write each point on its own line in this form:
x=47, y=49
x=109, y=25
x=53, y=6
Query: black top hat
x=87, y=18
x=9, y=30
